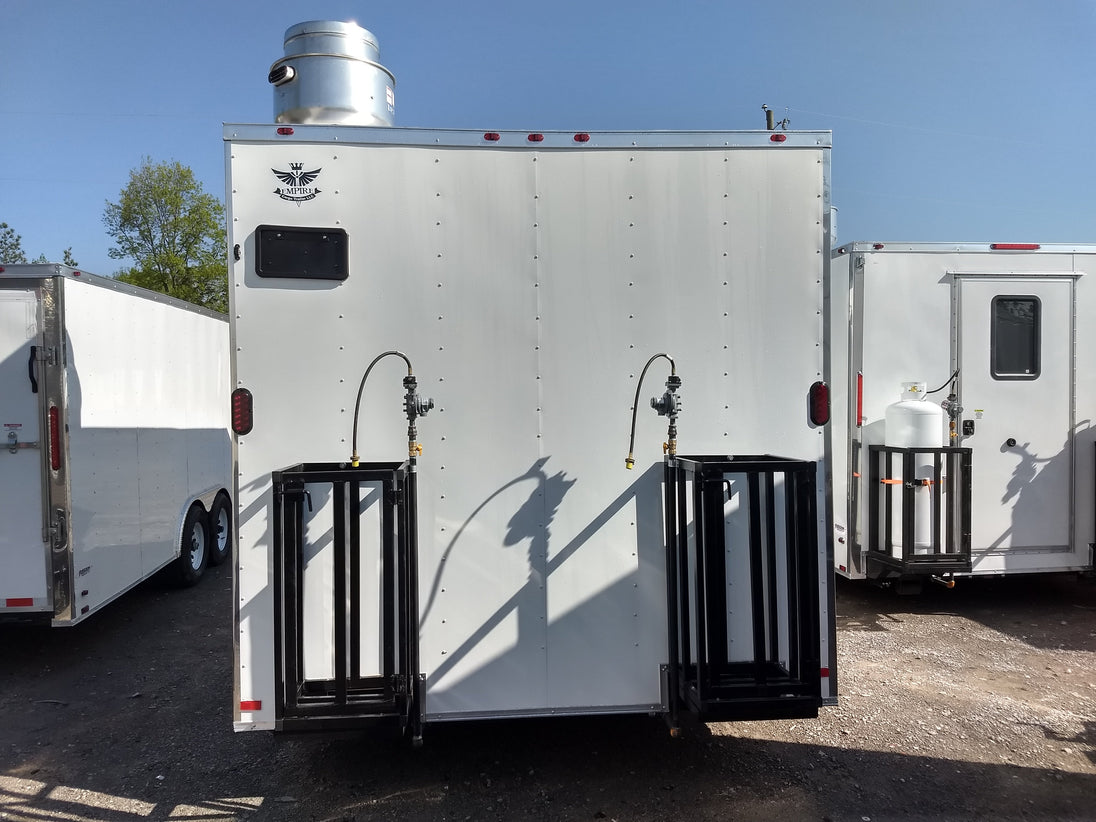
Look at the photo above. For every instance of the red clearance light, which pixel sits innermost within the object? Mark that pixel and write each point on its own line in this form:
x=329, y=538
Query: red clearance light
x=251, y=704
x=18, y=602
x=492, y=136
x=75, y=273
x=535, y=138
x=778, y=138
x=859, y=398
x=1014, y=246
x=819, y=399
x=242, y=411
x=582, y=138
x=54, y=438
x=1, y=269
x=285, y=131
x=825, y=672
x=877, y=246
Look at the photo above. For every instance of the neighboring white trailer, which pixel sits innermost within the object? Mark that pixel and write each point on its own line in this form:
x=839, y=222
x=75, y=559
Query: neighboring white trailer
x=115, y=454
x=528, y=277
x=996, y=328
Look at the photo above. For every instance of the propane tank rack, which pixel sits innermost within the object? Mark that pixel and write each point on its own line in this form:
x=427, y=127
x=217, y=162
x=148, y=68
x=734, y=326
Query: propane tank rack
x=893, y=487
x=323, y=676
x=742, y=587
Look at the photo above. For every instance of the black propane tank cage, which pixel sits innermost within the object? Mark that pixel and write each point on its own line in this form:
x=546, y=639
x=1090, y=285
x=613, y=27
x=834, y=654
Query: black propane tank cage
x=353, y=696
x=893, y=486
x=740, y=524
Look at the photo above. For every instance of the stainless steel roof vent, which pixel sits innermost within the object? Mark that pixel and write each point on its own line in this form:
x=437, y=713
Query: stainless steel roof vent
x=331, y=73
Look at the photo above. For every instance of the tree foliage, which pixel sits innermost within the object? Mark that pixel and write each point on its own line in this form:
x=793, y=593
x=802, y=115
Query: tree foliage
x=11, y=246
x=173, y=231
x=11, y=249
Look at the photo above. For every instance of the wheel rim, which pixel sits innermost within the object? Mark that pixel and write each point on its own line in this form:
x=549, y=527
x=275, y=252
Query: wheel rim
x=220, y=528
x=197, y=546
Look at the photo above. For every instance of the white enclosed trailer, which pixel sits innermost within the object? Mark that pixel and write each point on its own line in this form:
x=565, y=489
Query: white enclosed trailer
x=508, y=565
x=116, y=453
x=996, y=334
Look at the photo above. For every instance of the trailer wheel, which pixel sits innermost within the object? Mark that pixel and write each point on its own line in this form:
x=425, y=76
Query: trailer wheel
x=194, y=547
x=220, y=529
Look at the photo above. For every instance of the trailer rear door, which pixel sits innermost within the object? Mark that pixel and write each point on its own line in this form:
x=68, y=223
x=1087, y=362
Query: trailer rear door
x=23, y=556
x=1015, y=355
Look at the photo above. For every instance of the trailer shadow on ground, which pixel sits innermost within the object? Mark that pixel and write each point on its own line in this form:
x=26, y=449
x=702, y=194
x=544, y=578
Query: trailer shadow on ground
x=589, y=768
x=128, y=716
x=1055, y=611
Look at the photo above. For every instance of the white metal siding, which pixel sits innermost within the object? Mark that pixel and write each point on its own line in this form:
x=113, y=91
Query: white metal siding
x=528, y=289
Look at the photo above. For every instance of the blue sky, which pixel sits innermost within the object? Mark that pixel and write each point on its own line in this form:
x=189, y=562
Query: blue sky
x=952, y=120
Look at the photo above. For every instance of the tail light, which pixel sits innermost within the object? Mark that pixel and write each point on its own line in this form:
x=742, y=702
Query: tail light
x=54, y=438
x=819, y=403
x=242, y=411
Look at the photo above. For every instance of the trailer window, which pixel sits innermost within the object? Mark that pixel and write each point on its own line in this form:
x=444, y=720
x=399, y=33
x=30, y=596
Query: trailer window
x=301, y=253
x=1014, y=338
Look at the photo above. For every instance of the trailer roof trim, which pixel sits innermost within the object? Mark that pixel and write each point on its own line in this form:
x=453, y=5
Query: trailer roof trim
x=967, y=247
x=385, y=135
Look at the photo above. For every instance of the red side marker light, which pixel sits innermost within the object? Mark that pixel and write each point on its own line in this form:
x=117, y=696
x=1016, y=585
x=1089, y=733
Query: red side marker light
x=877, y=246
x=1014, y=246
x=859, y=398
x=251, y=704
x=242, y=411
x=778, y=138
x=535, y=138
x=492, y=136
x=54, y=438
x=582, y=138
x=19, y=602
x=825, y=672
x=285, y=131
x=819, y=398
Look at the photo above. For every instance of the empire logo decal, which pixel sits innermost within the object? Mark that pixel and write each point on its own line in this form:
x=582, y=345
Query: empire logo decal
x=298, y=184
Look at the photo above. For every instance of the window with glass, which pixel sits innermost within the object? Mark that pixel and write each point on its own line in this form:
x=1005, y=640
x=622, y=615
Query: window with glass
x=1014, y=338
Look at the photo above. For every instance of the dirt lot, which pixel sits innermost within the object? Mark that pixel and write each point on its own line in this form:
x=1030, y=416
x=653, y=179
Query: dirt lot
x=976, y=703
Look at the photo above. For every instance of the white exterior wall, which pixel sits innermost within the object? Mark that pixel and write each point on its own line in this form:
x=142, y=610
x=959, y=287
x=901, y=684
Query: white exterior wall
x=528, y=288
x=902, y=305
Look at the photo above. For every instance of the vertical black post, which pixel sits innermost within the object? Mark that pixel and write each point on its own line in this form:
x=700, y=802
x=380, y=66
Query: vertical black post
x=797, y=585
x=669, y=493
x=937, y=474
x=685, y=606
x=415, y=687
x=354, y=526
x=757, y=578
x=389, y=595
x=294, y=588
x=908, y=511
x=278, y=525
x=711, y=544
x=339, y=606
x=771, y=562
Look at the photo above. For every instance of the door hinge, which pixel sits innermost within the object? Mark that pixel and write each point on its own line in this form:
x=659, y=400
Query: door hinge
x=58, y=530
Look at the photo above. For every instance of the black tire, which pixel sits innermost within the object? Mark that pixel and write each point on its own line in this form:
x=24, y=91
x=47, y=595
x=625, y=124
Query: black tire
x=194, y=547
x=220, y=529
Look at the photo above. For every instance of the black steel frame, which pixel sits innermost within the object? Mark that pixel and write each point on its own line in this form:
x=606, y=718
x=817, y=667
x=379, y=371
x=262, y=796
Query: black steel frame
x=348, y=699
x=712, y=685
x=951, y=512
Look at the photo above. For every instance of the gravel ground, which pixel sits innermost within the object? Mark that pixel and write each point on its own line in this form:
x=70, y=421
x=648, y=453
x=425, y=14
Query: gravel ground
x=973, y=703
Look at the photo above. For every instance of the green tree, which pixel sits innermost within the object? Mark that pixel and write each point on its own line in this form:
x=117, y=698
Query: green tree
x=173, y=231
x=11, y=246
x=11, y=249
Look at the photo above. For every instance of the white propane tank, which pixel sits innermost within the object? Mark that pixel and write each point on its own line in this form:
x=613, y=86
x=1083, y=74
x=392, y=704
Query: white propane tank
x=914, y=422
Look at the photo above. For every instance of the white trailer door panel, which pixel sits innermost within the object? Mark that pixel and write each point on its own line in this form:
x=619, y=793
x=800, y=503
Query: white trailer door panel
x=1015, y=355
x=24, y=577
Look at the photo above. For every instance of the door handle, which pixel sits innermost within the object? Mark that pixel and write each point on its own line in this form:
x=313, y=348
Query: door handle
x=32, y=372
